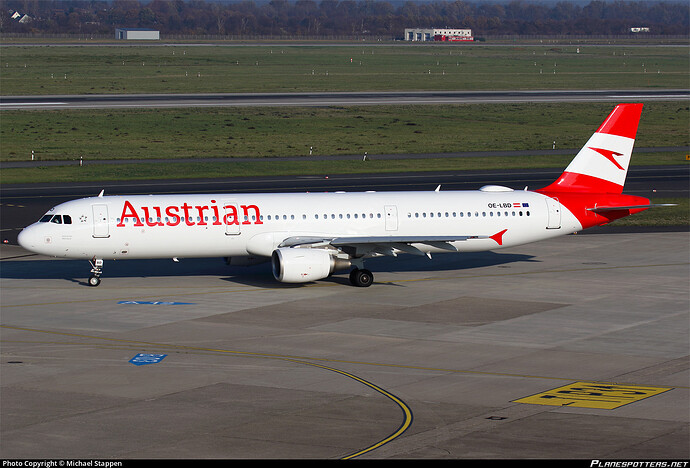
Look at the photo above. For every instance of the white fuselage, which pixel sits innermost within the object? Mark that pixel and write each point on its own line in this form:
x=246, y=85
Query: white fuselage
x=240, y=225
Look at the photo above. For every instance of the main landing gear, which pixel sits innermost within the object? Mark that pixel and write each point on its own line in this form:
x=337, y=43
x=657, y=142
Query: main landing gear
x=96, y=271
x=361, y=277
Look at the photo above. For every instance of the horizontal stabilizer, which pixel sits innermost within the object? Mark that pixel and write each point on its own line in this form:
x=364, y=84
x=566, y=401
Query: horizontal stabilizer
x=630, y=207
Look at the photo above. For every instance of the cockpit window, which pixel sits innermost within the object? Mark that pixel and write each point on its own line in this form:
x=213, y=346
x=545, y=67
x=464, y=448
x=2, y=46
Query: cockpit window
x=57, y=219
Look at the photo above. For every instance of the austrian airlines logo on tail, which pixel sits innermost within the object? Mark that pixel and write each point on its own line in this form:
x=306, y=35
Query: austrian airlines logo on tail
x=608, y=154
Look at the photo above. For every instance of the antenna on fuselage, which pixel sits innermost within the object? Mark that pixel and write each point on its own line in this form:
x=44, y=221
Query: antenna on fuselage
x=100, y=195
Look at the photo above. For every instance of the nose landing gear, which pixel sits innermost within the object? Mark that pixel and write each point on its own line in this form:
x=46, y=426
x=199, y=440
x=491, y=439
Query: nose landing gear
x=96, y=271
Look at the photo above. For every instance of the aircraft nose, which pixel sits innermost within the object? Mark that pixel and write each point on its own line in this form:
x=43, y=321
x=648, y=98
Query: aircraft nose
x=27, y=238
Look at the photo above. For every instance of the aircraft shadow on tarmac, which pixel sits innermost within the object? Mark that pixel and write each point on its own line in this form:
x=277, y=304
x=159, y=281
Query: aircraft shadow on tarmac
x=256, y=275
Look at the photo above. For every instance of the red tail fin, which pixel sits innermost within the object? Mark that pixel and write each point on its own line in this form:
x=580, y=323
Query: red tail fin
x=602, y=164
x=591, y=186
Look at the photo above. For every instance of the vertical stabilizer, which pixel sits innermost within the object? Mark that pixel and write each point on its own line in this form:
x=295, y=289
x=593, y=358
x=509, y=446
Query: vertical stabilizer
x=602, y=164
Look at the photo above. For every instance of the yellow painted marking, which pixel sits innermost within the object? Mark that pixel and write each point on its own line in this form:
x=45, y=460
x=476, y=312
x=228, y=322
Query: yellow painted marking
x=593, y=395
x=407, y=413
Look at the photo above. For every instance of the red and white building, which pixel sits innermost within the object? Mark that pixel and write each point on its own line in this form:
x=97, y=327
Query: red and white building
x=438, y=34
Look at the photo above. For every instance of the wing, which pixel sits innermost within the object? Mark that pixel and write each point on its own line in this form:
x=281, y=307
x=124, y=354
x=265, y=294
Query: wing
x=372, y=246
x=368, y=246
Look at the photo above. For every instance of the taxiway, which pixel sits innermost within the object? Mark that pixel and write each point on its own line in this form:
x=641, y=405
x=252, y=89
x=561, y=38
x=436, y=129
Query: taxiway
x=113, y=101
x=575, y=347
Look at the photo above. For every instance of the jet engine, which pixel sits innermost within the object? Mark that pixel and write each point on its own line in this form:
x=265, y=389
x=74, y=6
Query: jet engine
x=300, y=265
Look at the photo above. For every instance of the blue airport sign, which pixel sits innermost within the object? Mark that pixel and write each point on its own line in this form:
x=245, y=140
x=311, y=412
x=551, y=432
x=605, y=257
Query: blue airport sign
x=155, y=303
x=143, y=359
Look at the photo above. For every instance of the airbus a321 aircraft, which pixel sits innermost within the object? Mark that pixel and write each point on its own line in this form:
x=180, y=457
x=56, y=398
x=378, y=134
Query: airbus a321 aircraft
x=308, y=236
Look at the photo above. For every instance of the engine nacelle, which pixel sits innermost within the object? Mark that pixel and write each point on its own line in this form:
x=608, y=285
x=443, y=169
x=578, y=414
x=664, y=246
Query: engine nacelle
x=300, y=265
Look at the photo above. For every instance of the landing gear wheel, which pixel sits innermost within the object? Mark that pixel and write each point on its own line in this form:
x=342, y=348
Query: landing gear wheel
x=352, y=277
x=96, y=271
x=94, y=281
x=361, y=278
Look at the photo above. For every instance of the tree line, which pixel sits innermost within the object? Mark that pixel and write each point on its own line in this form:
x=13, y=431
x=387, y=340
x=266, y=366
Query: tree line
x=362, y=18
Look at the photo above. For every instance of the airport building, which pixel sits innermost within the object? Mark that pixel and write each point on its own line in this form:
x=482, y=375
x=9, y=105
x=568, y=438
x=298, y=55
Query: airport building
x=438, y=34
x=137, y=34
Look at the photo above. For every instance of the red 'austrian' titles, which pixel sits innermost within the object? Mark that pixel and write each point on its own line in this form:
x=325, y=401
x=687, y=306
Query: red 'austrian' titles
x=185, y=213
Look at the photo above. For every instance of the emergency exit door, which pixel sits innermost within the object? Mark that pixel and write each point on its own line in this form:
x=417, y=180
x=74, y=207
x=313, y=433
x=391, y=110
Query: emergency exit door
x=100, y=220
x=391, y=213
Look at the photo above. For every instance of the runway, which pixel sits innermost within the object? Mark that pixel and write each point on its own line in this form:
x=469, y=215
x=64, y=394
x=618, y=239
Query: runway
x=572, y=348
x=332, y=99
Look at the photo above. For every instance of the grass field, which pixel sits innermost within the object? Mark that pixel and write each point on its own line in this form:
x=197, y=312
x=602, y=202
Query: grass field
x=276, y=132
x=222, y=69
x=277, y=167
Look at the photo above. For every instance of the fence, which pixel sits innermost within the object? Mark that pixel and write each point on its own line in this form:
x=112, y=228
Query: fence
x=342, y=38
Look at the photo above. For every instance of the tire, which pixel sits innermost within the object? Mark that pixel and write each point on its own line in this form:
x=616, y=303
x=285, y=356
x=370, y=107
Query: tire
x=94, y=281
x=353, y=274
x=362, y=278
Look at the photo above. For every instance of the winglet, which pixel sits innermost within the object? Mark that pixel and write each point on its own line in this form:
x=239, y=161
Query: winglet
x=498, y=237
